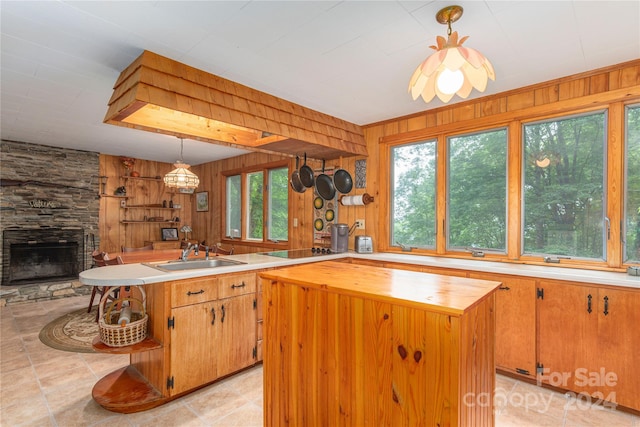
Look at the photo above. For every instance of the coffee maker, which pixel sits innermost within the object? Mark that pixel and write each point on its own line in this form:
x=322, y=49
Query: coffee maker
x=339, y=238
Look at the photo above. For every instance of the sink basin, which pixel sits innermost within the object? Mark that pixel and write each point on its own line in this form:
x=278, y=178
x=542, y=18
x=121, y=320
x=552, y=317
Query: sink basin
x=192, y=265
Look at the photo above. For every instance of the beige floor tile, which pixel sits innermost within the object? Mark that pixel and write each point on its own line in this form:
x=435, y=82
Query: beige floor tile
x=580, y=413
x=249, y=415
x=35, y=412
x=178, y=416
x=215, y=403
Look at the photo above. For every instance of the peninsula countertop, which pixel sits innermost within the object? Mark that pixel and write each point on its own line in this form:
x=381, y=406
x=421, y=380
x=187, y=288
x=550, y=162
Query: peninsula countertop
x=141, y=274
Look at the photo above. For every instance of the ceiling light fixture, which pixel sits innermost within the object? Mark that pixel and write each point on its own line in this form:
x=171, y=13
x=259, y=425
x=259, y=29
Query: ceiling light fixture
x=181, y=177
x=452, y=69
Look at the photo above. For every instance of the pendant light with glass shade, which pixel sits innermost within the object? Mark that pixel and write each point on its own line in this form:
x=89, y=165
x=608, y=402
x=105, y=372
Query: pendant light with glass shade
x=452, y=69
x=181, y=176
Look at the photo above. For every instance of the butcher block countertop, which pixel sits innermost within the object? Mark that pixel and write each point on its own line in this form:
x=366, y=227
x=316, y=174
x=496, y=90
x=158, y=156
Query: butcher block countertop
x=433, y=292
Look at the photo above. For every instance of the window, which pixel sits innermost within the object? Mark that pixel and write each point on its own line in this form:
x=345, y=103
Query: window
x=632, y=185
x=248, y=217
x=234, y=207
x=413, y=188
x=477, y=191
x=254, y=202
x=564, y=179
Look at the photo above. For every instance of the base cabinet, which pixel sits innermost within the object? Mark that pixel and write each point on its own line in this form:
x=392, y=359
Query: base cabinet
x=201, y=329
x=515, y=323
x=589, y=341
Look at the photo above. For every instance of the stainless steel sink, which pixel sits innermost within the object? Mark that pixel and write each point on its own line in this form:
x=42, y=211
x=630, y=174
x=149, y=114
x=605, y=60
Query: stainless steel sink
x=192, y=265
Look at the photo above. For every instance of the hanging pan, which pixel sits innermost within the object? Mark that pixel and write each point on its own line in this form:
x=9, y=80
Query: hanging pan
x=342, y=180
x=296, y=183
x=324, y=185
x=306, y=174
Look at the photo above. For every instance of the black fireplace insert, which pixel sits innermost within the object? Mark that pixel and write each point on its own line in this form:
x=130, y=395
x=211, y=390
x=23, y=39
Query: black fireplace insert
x=41, y=254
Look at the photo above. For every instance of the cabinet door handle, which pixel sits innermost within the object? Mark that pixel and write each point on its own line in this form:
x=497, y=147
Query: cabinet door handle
x=504, y=288
x=238, y=286
x=201, y=291
x=222, y=318
x=606, y=306
x=589, y=297
x=213, y=315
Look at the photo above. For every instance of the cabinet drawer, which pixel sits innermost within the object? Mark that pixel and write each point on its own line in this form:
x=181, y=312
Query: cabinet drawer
x=237, y=284
x=193, y=291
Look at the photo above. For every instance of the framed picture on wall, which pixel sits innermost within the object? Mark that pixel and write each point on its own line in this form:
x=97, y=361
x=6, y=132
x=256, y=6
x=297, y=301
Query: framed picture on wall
x=169, y=234
x=202, y=201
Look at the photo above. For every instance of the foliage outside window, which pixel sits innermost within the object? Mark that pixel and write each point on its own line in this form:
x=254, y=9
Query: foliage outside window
x=413, y=180
x=632, y=181
x=234, y=206
x=564, y=179
x=477, y=191
x=260, y=219
x=278, y=206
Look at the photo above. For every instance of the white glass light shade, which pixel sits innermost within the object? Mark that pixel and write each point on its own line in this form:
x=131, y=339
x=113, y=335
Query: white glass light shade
x=451, y=57
x=181, y=177
x=449, y=82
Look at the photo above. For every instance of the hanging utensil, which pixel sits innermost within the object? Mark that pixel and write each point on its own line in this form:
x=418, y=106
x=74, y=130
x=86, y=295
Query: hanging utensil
x=296, y=182
x=306, y=174
x=324, y=185
x=342, y=180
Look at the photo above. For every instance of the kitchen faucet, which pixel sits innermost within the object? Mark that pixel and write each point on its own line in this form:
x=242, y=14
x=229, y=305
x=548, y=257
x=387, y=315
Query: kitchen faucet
x=187, y=250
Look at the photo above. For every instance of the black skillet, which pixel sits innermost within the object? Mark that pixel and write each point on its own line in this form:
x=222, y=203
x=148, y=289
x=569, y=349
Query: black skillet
x=306, y=174
x=296, y=183
x=342, y=180
x=324, y=185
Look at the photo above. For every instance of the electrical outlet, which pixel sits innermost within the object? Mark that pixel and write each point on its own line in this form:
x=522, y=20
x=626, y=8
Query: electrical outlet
x=360, y=224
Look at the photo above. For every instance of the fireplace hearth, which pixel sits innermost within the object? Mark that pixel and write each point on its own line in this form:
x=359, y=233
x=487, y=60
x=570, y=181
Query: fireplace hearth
x=41, y=254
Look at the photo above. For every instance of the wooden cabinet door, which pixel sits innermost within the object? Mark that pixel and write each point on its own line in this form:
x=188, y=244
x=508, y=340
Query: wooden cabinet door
x=194, y=340
x=567, y=333
x=615, y=369
x=515, y=322
x=235, y=347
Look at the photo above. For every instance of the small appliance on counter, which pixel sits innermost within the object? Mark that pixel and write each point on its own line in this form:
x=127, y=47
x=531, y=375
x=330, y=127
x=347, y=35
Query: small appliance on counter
x=339, y=238
x=363, y=244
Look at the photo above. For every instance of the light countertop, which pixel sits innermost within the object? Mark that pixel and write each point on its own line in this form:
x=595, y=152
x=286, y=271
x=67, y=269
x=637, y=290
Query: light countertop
x=140, y=274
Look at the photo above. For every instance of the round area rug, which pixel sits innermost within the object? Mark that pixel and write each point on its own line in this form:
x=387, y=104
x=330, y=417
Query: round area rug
x=73, y=332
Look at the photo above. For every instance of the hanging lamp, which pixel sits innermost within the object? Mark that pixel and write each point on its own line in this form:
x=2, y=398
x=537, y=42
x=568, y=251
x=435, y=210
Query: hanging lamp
x=452, y=69
x=181, y=176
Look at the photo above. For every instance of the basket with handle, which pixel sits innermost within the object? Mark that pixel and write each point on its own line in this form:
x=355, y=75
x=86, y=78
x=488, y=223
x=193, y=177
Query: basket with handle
x=116, y=335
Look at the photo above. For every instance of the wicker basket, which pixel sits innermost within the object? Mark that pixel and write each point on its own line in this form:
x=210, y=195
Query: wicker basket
x=115, y=335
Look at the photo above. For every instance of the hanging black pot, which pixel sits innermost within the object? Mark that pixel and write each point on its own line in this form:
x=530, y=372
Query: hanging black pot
x=306, y=174
x=324, y=185
x=296, y=183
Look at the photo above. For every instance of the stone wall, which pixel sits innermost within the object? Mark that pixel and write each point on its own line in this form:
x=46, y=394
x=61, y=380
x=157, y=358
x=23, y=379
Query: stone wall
x=44, y=186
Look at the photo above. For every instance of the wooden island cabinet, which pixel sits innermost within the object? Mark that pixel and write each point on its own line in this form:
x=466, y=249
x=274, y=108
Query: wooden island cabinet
x=359, y=345
x=206, y=329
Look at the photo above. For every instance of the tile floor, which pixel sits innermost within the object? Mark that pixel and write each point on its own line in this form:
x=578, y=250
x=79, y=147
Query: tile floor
x=41, y=386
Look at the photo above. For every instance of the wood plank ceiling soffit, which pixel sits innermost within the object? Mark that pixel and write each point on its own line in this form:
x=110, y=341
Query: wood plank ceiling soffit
x=158, y=94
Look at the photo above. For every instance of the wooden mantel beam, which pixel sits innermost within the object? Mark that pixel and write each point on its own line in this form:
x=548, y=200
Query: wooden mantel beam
x=158, y=94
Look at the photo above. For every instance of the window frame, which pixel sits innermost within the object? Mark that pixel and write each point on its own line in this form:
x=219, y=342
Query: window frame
x=244, y=173
x=614, y=134
x=605, y=186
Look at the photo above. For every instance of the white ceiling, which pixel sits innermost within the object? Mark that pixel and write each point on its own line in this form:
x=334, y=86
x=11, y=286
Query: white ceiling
x=349, y=59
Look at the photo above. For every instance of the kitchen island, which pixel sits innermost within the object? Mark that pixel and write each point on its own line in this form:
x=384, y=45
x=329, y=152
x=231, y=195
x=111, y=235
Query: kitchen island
x=359, y=345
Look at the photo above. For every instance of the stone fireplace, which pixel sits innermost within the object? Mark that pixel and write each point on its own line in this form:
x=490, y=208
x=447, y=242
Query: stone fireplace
x=50, y=207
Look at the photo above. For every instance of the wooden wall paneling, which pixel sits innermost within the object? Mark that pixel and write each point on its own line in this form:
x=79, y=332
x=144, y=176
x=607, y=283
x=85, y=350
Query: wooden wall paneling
x=615, y=179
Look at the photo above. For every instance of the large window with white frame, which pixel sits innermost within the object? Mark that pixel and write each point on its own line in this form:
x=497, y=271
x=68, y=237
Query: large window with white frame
x=564, y=181
x=631, y=239
x=477, y=191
